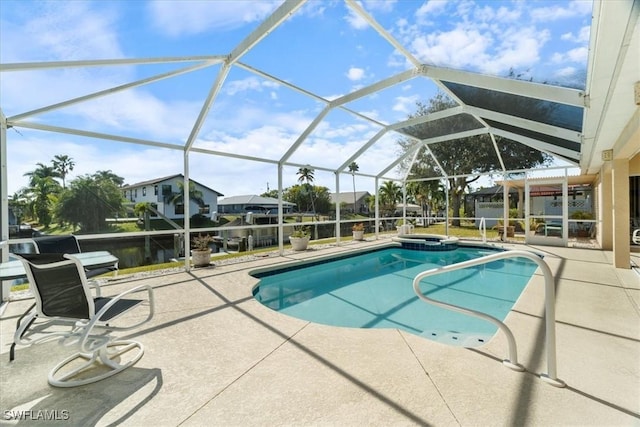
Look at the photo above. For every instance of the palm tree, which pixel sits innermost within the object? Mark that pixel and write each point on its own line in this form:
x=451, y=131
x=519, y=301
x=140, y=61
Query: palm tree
x=42, y=171
x=353, y=168
x=108, y=175
x=306, y=175
x=390, y=193
x=44, y=192
x=194, y=194
x=19, y=203
x=63, y=164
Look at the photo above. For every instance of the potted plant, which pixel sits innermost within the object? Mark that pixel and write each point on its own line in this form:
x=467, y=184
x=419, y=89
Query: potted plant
x=584, y=229
x=511, y=230
x=299, y=239
x=201, y=252
x=534, y=225
x=358, y=231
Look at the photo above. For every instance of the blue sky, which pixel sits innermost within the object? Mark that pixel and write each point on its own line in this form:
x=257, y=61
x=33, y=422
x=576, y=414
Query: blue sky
x=324, y=48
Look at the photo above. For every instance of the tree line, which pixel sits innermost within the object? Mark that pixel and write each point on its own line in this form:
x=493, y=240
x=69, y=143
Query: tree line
x=85, y=203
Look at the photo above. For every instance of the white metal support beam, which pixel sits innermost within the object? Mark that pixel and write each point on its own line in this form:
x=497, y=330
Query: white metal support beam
x=459, y=135
x=399, y=125
x=287, y=9
x=215, y=88
x=89, y=134
x=28, y=66
x=356, y=6
x=495, y=147
x=305, y=134
x=551, y=93
x=376, y=87
x=110, y=91
x=539, y=145
x=558, y=132
x=280, y=14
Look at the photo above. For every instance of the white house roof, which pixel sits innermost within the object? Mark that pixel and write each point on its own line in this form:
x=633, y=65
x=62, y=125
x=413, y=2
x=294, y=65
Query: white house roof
x=251, y=200
x=154, y=181
x=347, y=196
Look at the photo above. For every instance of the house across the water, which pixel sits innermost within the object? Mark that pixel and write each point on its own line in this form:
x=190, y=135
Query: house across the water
x=164, y=194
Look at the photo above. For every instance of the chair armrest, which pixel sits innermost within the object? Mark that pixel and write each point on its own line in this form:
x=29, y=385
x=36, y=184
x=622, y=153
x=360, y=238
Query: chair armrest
x=95, y=321
x=636, y=236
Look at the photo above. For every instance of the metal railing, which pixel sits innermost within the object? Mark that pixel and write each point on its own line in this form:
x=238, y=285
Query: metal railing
x=483, y=229
x=549, y=301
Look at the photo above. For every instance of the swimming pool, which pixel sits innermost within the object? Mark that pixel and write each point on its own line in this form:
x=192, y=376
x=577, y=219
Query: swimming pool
x=374, y=290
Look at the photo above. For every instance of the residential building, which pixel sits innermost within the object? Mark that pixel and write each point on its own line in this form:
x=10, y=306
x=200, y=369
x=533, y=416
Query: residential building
x=162, y=194
x=253, y=203
x=346, y=200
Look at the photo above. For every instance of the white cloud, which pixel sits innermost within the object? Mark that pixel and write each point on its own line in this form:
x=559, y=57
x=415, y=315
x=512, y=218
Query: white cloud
x=355, y=21
x=405, y=104
x=457, y=48
x=62, y=31
x=355, y=74
x=581, y=37
x=566, y=72
x=578, y=55
x=431, y=8
x=378, y=5
x=555, y=12
x=252, y=83
x=520, y=48
x=176, y=18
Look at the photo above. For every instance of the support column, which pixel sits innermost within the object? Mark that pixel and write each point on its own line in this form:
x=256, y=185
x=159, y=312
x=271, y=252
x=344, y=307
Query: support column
x=620, y=196
x=605, y=207
x=4, y=204
x=520, y=202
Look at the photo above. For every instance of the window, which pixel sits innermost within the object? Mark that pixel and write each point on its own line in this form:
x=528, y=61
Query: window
x=155, y=190
x=135, y=193
x=179, y=209
x=144, y=191
x=124, y=194
x=166, y=189
x=204, y=210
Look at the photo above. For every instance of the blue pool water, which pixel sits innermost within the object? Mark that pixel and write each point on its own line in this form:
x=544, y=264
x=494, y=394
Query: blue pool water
x=374, y=290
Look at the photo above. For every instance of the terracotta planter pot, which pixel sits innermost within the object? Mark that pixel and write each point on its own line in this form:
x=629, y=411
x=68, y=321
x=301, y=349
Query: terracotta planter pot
x=511, y=230
x=201, y=258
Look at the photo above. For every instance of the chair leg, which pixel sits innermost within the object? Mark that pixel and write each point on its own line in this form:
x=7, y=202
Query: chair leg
x=20, y=331
x=105, y=357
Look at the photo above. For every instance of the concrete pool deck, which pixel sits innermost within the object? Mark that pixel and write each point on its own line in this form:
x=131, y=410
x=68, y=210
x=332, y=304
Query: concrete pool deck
x=215, y=356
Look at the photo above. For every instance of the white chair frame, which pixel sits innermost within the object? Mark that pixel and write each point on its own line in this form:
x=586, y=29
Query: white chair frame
x=91, y=336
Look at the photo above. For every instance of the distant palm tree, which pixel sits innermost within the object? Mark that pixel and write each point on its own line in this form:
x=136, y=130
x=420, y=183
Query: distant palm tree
x=353, y=168
x=19, y=203
x=194, y=194
x=390, y=193
x=43, y=192
x=306, y=175
x=42, y=171
x=108, y=175
x=63, y=164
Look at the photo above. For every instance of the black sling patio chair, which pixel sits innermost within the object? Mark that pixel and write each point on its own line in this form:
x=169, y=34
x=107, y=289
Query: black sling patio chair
x=68, y=244
x=77, y=318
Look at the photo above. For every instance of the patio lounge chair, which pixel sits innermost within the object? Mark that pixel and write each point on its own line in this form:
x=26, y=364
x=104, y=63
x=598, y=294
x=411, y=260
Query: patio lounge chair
x=72, y=314
x=68, y=244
